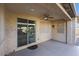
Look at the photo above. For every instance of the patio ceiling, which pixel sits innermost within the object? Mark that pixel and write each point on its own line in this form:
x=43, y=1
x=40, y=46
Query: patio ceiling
x=37, y=9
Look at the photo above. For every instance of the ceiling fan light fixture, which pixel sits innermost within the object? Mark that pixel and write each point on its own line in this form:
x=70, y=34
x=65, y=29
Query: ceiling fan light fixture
x=32, y=9
x=45, y=18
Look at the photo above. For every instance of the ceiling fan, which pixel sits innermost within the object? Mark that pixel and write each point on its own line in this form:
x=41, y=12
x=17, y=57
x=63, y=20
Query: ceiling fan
x=47, y=16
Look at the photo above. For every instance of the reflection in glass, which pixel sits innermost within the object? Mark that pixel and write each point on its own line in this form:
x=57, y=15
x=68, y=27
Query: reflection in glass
x=26, y=32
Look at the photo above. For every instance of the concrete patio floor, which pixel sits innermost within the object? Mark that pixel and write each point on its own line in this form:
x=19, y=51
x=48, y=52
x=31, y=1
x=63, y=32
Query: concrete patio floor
x=50, y=48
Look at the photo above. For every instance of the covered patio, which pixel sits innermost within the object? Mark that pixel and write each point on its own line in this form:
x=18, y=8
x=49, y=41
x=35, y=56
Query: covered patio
x=49, y=48
x=24, y=25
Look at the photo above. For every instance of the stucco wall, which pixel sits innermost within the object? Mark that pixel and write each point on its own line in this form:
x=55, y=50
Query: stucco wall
x=2, y=41
x=56, y=35
x=71, y=39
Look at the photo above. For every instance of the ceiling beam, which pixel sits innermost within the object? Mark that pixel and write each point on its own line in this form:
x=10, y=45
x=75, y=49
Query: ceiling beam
x=61, y=7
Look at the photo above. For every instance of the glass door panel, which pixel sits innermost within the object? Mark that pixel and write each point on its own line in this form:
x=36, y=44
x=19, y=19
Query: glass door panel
x=31, y=33
x=22, y=35
x=26, y=32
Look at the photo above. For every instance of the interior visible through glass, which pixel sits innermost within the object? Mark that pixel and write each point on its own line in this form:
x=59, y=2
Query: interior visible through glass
x=26, y=31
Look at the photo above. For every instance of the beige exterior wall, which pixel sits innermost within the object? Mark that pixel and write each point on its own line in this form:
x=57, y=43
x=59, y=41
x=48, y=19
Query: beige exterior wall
x=2, y=41
x=56, y=35
x=71, y=39
x=77, y=29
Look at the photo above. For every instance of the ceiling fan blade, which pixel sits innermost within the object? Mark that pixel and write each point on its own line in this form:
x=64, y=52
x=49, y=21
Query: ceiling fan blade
x=46, y=16
x=50, y=17
x=43, y=18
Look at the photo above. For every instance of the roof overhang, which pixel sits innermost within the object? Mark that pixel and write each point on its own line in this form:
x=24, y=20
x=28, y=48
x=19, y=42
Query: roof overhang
x=68, y=9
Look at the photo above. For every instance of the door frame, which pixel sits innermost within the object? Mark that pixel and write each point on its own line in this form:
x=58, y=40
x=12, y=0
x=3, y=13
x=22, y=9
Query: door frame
x=24, y=46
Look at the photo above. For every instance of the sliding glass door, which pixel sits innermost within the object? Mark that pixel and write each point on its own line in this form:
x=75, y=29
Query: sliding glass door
x=26, y=32
x=31, y=33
